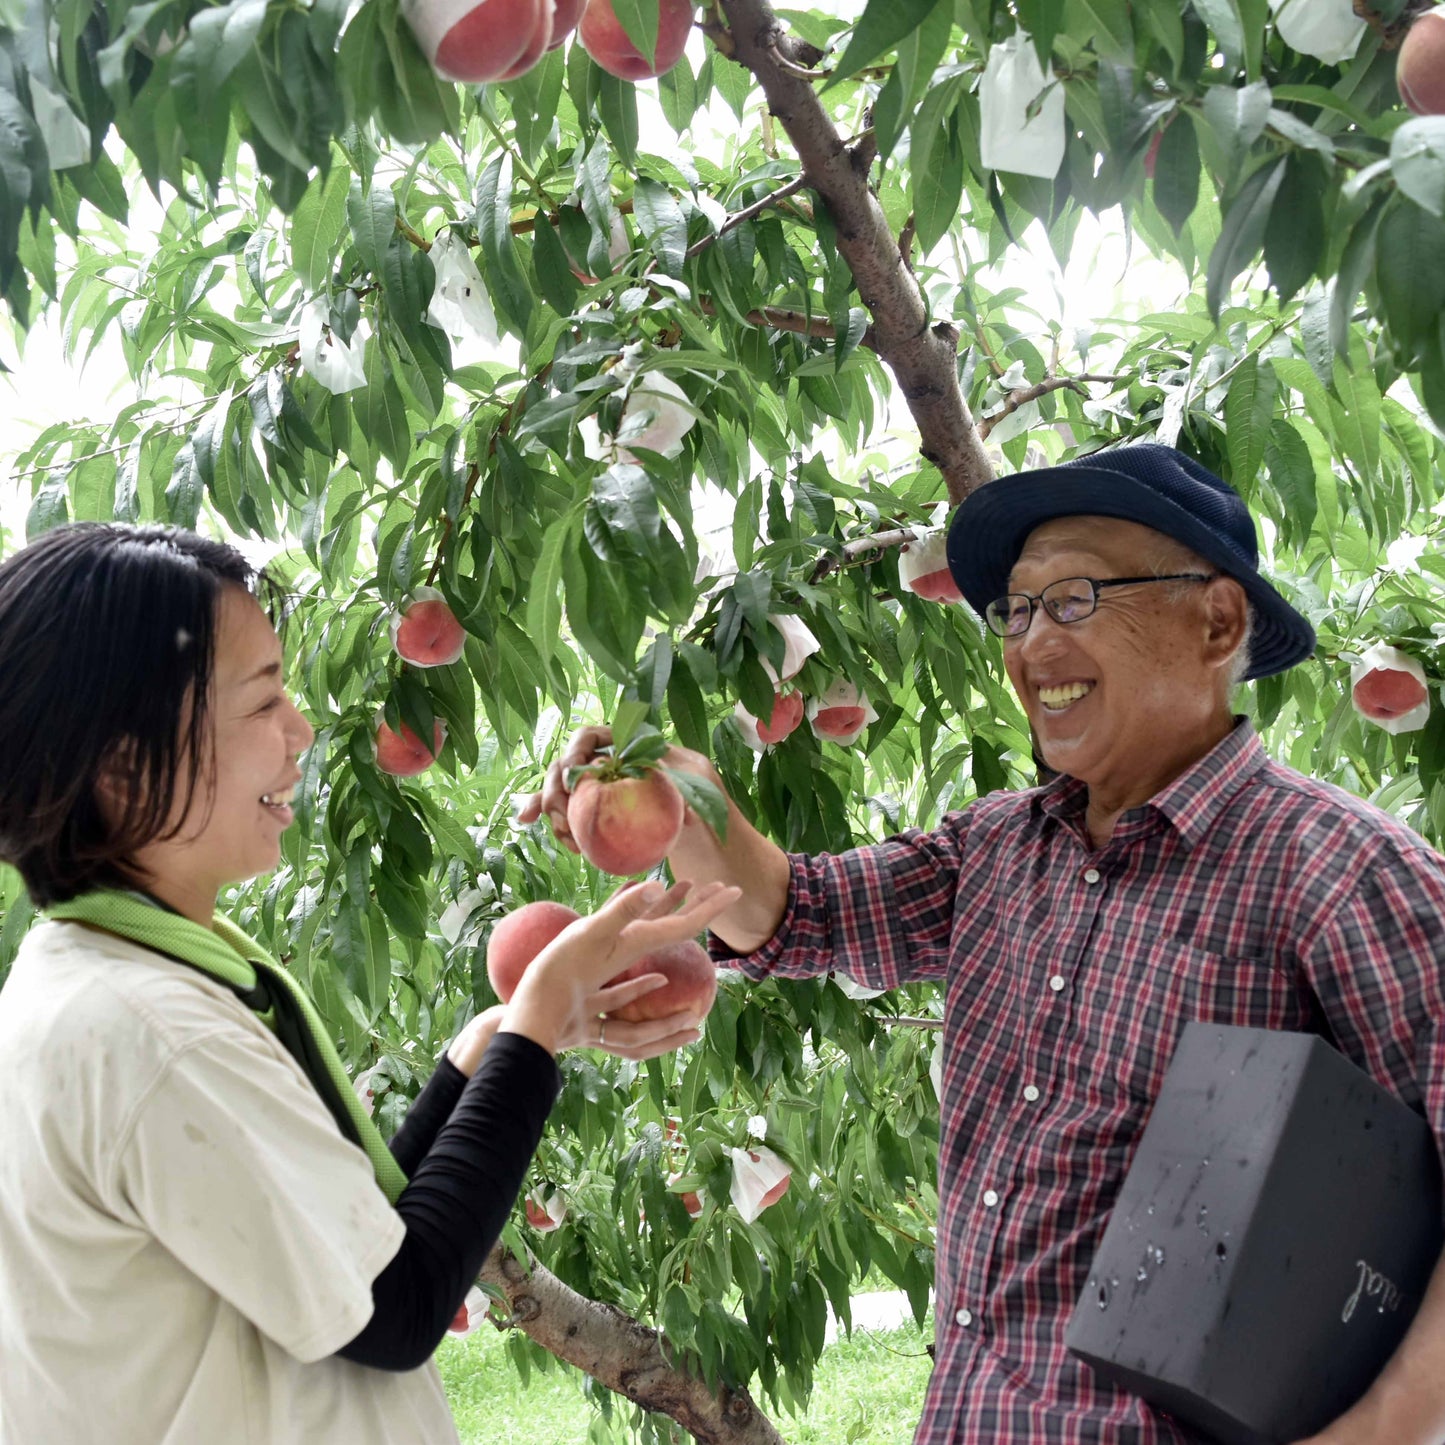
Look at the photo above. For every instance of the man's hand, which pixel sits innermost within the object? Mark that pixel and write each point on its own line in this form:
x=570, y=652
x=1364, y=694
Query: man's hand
x=582, y=750
x=755, y=867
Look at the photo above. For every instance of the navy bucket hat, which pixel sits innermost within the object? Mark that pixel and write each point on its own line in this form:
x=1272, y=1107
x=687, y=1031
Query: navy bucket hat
x=1153, y=485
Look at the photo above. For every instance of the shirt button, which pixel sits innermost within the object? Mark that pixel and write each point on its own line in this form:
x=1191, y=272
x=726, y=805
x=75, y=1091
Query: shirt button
x=1057, y=982
x=964, y=1317
x=1031, y=1093
x=990, y=1198
x=1091, y=875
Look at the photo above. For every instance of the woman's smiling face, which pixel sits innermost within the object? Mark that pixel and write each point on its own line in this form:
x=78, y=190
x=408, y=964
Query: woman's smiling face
x=232, y=829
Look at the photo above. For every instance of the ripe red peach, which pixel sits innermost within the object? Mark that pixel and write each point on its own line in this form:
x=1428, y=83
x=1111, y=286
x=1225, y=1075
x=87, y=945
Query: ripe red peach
x=473, y=43
x=564, y=22
x=537, y=46
x=605, y=40
x=626, y=825
x=1420, y=66
x=403, y=754
x=426, y=632
x=519, y=938
x=691, y=983
x=787, y=714
x=1383, y=693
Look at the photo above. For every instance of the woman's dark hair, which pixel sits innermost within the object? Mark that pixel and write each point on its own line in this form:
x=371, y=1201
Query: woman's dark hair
x=107, y=643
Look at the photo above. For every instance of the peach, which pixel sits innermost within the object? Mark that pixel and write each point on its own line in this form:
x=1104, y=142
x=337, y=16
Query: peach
x=473, y=41
x=691, y=983
x=404, y=755
x=604, y=39
x=519, y=938
x=923, y=569
x=537, y=46
x=544, y=1218
x=787, y=715
x=425, y=632
x=760, y=1179
x=1389, y=688
x=625, y=825
x=564, y=22
x=1420, y=66
x=841, y=714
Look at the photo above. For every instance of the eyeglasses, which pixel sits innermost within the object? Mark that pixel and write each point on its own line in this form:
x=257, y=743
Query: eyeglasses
x=1071, y=599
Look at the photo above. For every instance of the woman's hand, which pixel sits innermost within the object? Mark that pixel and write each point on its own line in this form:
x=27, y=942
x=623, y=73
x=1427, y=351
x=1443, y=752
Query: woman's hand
x=466, y=1050
x=569, y=984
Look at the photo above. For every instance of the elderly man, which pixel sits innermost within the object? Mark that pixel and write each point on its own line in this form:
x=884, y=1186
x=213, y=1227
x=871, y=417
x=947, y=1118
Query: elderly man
x=1172, y=872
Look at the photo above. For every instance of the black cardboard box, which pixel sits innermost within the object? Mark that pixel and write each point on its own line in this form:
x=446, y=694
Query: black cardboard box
x=1271, y=1243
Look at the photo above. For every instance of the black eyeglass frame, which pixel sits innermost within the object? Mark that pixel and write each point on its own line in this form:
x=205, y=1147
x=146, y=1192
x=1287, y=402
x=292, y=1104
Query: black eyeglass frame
x=1096, y=585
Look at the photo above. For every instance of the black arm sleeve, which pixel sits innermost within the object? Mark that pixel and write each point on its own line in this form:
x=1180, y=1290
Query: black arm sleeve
x=457, y=1202
x=429, y=1111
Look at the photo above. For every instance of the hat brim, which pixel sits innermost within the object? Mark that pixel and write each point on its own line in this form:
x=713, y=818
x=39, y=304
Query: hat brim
x=991, y=525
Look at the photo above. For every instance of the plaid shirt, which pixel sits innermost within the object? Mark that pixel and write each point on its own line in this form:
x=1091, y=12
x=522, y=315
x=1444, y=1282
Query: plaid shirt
x=1243, y=893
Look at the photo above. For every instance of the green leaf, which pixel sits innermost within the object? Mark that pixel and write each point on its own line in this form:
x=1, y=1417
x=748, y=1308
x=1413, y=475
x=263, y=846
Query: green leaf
x=544, y=592
x=373, y=222
x=704, y=798
x=1294, y=237
x=1222, y=17
x=626, y=500
x=1356, y=263
x=1248, y=409
x=677, y=91
x=617, y=105
x=380, y=410
x=1236, y=120
x=317, y=225
x=493, y=220
x=1242, y=233
x=1410, y=274
x=662, y=222
x=882, y=25
x=938, y=192
x=640, y=20
x=1176, y=172
x=1417, y=161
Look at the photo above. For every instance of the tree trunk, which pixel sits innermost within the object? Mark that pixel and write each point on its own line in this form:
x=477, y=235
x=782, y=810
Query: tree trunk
x=924, y=358
x=622, y=1354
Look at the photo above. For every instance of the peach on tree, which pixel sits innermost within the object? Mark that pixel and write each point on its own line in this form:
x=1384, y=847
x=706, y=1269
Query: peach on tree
x=626, y=809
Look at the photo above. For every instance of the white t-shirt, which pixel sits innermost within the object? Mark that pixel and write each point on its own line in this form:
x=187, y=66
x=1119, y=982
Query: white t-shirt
x=185, y=1237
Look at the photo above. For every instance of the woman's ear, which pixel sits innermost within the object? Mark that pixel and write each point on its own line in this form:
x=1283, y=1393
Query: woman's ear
x=118, y=781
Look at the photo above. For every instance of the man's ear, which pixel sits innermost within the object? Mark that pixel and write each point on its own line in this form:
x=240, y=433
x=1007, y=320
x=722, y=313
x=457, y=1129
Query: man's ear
x=1226, y=618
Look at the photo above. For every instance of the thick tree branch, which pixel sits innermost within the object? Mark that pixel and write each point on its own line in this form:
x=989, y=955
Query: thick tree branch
x=614, y=1349
x=784, y=318
x=862, y=550
x=756, y=209
x=923, y=357
x=1026, y=394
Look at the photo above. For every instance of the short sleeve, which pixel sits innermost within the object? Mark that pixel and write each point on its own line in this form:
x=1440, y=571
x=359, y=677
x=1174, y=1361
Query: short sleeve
x=232, y=1162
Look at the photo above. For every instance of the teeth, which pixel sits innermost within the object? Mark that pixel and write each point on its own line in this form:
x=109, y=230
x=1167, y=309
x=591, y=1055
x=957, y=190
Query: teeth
x=277, y=800
x=1063, y=696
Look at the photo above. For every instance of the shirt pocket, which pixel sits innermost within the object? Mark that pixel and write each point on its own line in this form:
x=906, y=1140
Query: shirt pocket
x=1137, y=1017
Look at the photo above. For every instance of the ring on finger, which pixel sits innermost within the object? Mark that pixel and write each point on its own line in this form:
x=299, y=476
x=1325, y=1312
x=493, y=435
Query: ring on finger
x=601, y=1030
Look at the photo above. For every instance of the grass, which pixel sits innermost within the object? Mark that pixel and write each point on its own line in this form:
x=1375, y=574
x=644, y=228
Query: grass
x=869, y=1388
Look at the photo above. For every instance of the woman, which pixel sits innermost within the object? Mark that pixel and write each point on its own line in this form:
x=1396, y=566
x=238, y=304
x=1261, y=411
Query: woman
x=202, y=1238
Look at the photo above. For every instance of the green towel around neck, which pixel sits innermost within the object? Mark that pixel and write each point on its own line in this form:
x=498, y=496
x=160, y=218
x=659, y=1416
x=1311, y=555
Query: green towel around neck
x=232, y=957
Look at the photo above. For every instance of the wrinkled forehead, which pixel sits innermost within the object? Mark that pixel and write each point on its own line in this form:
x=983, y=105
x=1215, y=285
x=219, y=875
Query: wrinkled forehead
x=1087, y=541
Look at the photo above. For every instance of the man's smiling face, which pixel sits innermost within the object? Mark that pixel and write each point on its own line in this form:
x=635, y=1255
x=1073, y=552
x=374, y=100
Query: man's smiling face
x=1126, y=698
